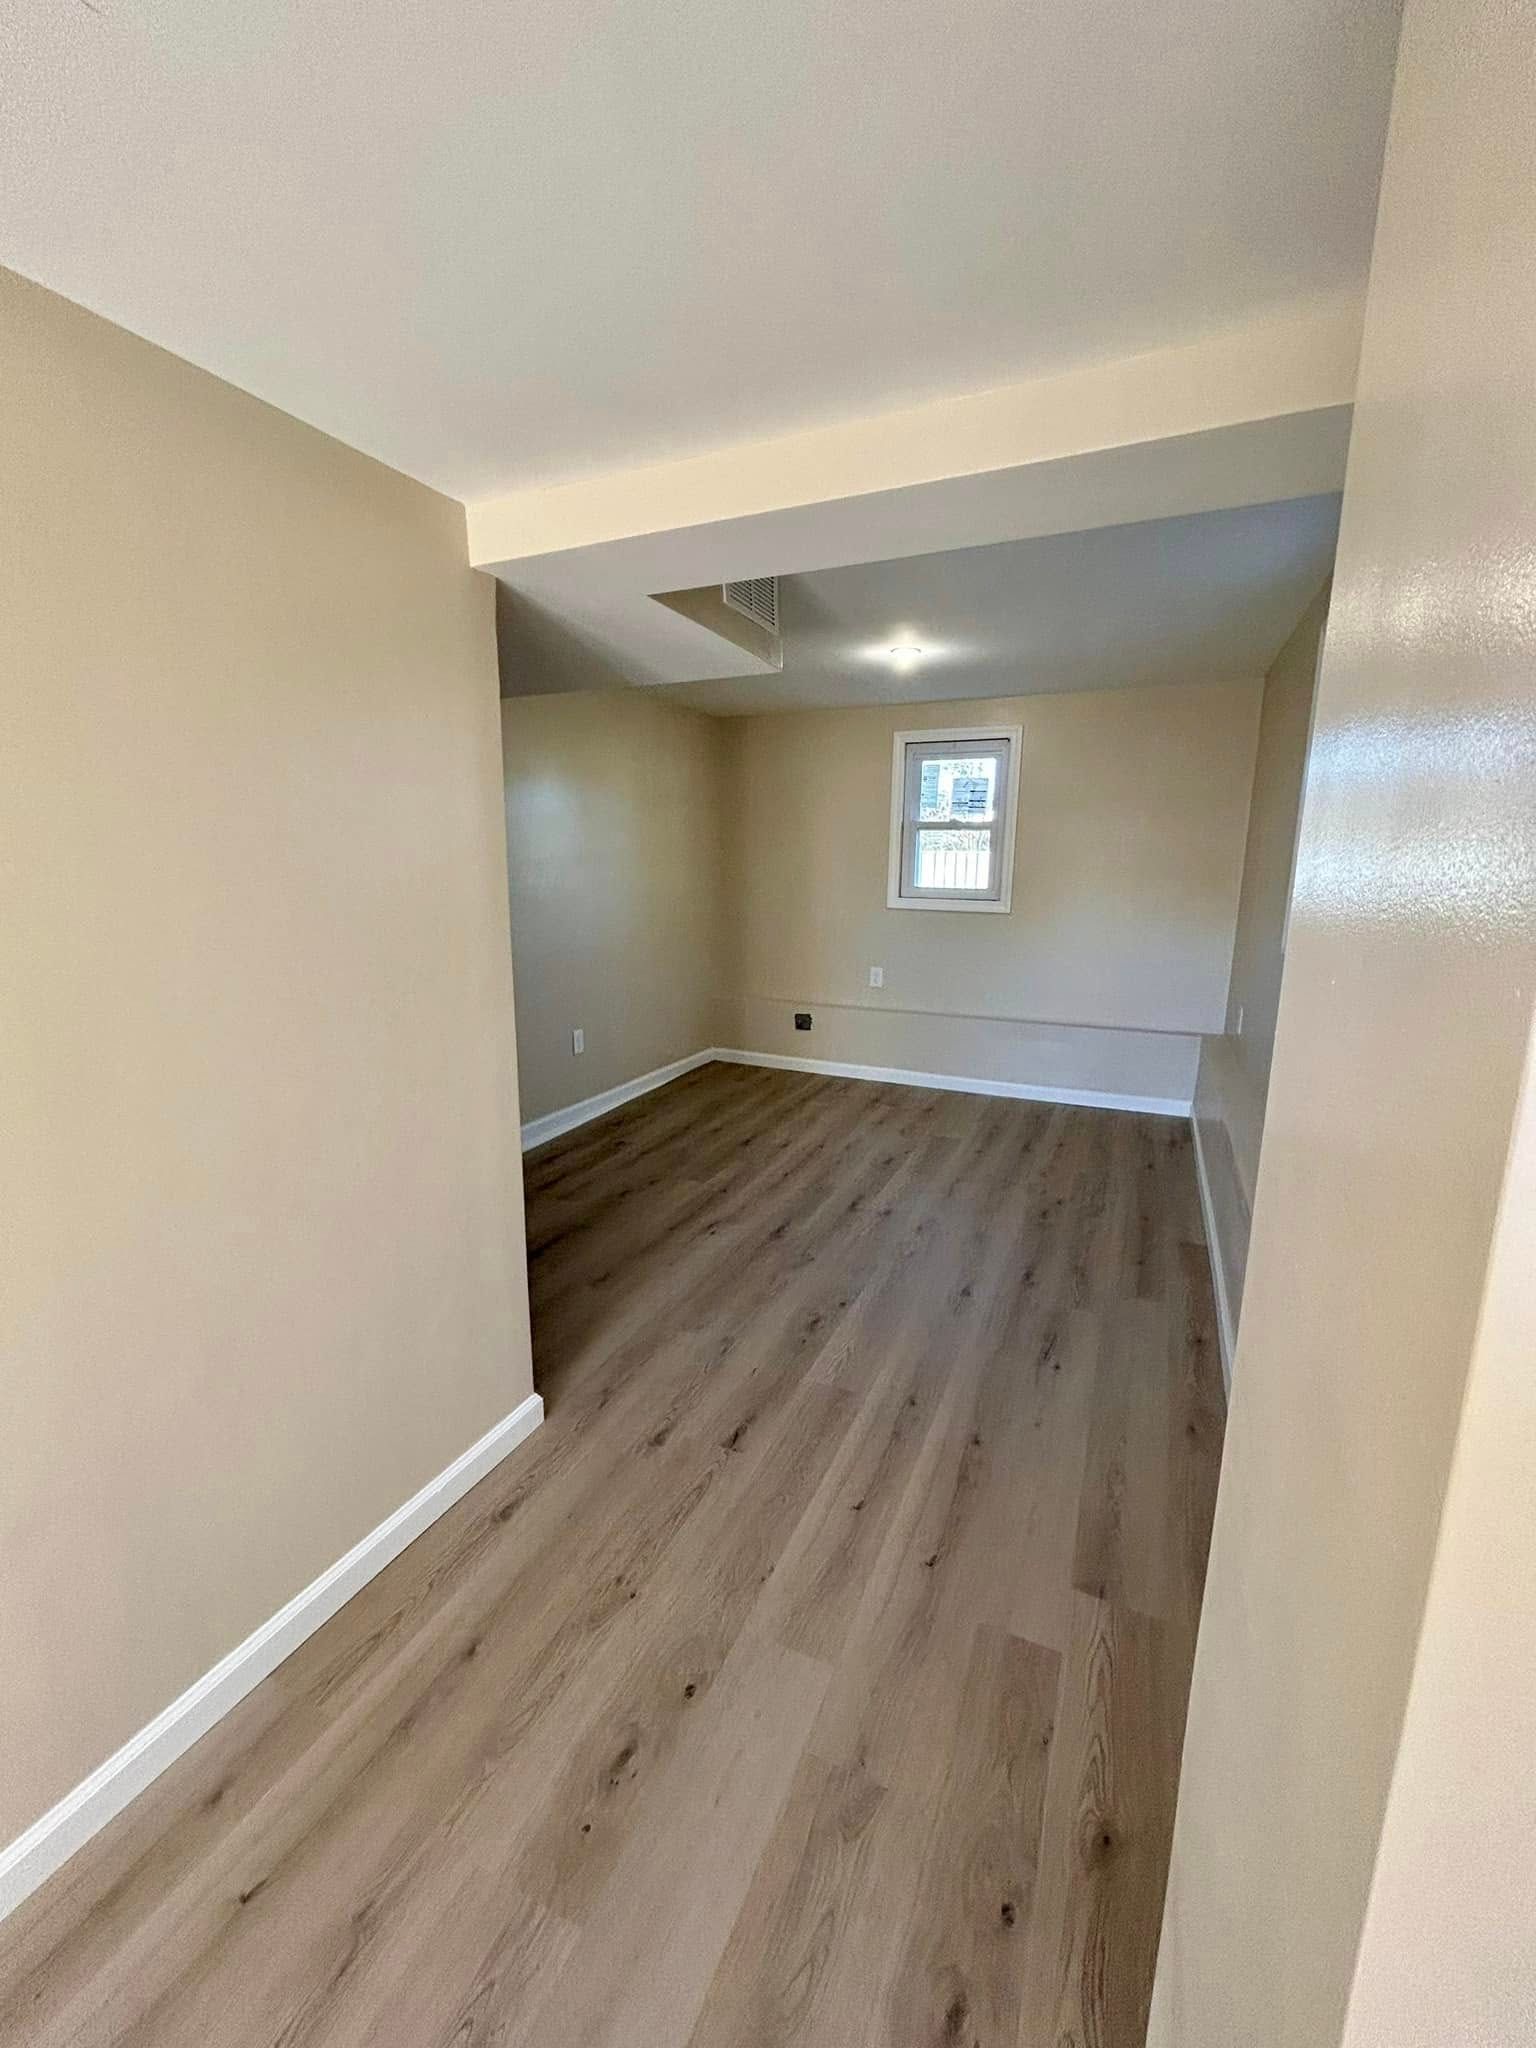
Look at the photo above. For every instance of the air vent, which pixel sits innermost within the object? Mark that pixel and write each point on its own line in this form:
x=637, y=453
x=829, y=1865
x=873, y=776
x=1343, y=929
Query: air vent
x=757, y=599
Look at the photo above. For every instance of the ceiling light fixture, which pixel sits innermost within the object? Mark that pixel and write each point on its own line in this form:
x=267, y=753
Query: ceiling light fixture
x=906, y=655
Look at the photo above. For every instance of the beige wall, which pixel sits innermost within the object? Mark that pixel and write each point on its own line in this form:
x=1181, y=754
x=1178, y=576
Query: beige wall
x=1403, y=1027
x=614, y=845
x=1132, y=812
x=1233, y=1082
x=1227, y=1204
x=261, y=1208
x=1258, y=948
x=680, y=881
x=1447, y=1959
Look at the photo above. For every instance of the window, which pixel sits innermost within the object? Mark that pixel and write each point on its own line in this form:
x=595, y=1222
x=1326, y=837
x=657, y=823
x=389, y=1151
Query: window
x=954, y=798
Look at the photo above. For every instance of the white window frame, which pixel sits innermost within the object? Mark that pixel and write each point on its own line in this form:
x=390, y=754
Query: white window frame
x=898, y=897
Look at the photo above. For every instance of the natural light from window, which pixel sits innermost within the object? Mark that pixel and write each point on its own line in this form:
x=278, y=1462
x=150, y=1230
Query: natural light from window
x=958, y=791
x=952, y=810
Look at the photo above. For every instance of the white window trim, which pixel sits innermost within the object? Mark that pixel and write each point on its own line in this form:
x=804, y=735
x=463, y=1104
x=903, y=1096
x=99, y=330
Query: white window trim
x=944, y=736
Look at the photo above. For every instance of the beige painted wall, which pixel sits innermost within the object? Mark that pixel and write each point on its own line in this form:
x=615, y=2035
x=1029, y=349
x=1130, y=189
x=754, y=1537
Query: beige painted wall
x=1233, y=1082
x=1447, y=1959
x=1227, y=1205
x=614, y=845
x=1258, y=949
x=261, y=1209
x=1132, y=812
x=1403, y=1027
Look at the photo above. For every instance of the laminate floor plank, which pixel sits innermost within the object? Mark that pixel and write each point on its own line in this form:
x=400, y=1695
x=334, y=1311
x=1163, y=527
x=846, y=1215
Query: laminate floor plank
x=638, y=1974
x=769, y=1983
x=589, y=1810
x=815, y=1677
x=961, y=1971
x=1107, y=1832
x=1123, y=1531
x=1047, y=1500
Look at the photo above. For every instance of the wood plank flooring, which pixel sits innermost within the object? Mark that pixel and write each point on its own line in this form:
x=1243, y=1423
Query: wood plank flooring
x=815, y=1678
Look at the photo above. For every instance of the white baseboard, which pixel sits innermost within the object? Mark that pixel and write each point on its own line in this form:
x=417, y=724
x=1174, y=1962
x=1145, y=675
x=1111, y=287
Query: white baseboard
x=559, y=1121
x=1225, y=1331
x=962, y=1084
x=66, y=1827
x=542, y=1129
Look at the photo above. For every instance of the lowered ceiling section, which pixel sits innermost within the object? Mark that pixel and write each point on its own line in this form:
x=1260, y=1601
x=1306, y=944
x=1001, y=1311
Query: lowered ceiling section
x=1254, y=417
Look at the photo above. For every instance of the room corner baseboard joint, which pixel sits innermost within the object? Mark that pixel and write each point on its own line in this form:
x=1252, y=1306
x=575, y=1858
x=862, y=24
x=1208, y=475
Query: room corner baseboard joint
x=558, y=1121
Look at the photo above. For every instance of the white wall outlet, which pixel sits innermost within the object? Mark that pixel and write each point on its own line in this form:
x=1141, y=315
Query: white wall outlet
x=877, y=977
x=578, y=1040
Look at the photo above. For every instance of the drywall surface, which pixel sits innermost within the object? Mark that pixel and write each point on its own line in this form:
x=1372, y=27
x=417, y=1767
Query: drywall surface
x=1228, y=1200
x=1447, y=1959
x=1233, y=1082
x=1402, y=1030
x=614, y=846
x=1258, y=951
x=1151, y=1066
x=262, y=1209
x=1115, y=956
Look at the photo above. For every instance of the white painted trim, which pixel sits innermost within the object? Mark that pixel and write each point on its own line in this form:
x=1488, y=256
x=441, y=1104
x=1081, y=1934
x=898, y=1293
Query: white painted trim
x=1226, y=1333
x=961, y=1084
x=68, y=1826
x=559, y=1121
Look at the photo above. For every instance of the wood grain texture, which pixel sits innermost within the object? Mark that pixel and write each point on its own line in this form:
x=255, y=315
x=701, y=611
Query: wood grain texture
x=814, y=1678
x=1108, y=1826
x=1123, y=1515
x=961, y=1972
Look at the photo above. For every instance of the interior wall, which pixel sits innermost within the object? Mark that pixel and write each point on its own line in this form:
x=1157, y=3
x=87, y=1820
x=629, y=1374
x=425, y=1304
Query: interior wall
x=262, y=1212
x=1233, y=1082
x=1115, y=957
x=614, y=841
x=1258, y=949
x=1446, y=1957
x=1403, y=1025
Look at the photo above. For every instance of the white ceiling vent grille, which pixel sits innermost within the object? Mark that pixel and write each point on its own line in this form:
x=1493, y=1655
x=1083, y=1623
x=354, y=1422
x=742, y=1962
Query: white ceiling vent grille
x=757, y=598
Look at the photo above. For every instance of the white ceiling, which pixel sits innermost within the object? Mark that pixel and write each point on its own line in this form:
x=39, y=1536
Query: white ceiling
x=1208, y=598
x=496, y=243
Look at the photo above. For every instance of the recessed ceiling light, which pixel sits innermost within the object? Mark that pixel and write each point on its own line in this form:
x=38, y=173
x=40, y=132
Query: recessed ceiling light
x=906, y=654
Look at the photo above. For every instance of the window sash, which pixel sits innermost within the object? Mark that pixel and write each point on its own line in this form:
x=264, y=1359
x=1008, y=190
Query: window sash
x=998, y=749
x=956, y=858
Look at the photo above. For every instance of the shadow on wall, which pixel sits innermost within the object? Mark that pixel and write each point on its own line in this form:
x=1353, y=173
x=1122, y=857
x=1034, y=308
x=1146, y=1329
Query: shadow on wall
x=1232, y=1087
x=537, y=655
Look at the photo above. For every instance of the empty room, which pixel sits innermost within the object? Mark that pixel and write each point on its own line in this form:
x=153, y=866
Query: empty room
x=769, y=850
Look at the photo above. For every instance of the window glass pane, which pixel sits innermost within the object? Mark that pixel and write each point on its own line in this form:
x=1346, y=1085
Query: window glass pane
x=958, y=786
x=953, y=859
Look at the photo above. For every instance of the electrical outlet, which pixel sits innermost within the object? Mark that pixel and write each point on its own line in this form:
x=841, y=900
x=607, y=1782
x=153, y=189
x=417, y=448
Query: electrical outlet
x=802, y=1020
x=578, y=1040
x=877, y=977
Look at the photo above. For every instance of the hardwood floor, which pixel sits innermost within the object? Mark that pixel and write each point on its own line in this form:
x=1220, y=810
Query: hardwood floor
x=815, y=1678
